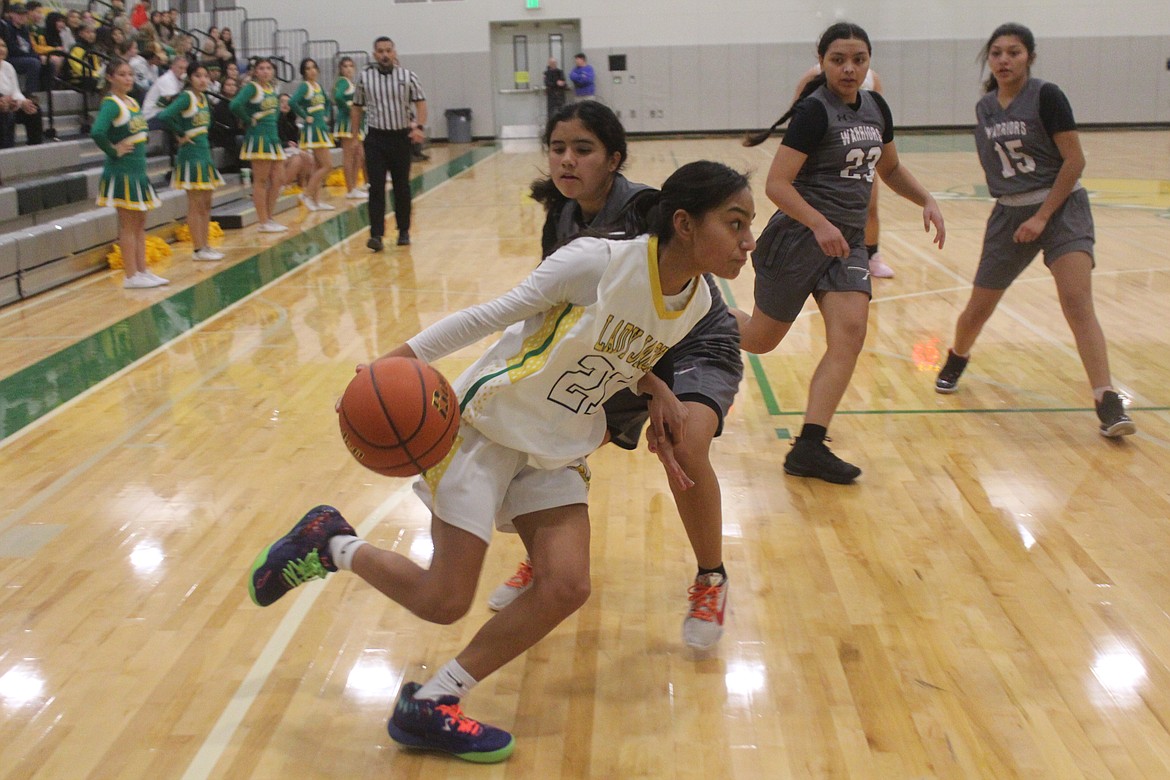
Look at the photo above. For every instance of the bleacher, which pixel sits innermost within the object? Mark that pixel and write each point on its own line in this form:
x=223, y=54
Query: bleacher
x=51, y=233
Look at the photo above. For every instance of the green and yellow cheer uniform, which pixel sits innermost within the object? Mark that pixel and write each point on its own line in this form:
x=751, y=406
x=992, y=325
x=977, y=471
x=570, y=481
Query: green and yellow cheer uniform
x=311, y=104
x=343, y=99
x=124, y=183
x=188, y=116
x=258, y=107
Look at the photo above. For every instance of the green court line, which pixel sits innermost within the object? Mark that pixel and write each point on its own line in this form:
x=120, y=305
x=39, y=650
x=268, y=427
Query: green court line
x=774, y=408
x=38, y=389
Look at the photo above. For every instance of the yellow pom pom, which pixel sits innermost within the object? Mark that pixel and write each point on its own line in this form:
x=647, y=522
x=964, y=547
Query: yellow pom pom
x=336, y=178
x=214, y=230
x=114, y=257
x=183, y=233
x=291, y=189
x=157, y=251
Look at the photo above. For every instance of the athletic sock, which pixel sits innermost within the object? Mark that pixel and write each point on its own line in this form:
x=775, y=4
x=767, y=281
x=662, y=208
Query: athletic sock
x=1099, y=392
x=342, y=549
x=451, y=680
x=718, y=569
x=812, y=432
x=872, y=249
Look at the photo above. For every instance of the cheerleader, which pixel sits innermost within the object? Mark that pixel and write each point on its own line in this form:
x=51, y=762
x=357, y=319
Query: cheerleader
x=1031, y=156
x=189, y=117
x=311, y=104
x=257, y=105
x=821, y=179
x=352, y=159
x=120, y=132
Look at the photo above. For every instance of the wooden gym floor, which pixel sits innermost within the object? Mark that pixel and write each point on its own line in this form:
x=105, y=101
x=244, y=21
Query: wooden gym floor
x=988, y=601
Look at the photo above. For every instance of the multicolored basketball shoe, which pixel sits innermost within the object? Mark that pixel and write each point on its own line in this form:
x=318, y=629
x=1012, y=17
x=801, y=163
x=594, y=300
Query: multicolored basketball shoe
x=297, y=557
x=708, y=603
x=507, y=592
x=439, y=724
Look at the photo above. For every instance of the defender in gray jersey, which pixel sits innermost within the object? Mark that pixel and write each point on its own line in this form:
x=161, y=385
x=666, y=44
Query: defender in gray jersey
x=586, y=193
x=821, y=180
x=1031, y=156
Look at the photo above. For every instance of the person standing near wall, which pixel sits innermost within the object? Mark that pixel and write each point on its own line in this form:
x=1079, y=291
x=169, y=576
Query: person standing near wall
x=554, y=86
x=385, y=94
x=583, y=78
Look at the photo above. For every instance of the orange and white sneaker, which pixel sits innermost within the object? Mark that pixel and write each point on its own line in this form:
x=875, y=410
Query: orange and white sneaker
x=703, y=625
x=519, y=582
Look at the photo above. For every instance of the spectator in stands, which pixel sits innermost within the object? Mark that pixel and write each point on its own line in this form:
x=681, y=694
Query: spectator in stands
x=141, y=14
x=47, y=38
x=184, y=47
x=73, y=22
x=116, y=8
x=214, y=73
x=15, y=107
x=226, y=128
x=57, y=32
x=109, y=39
x=85, y=63
x=144, y=73
x=21, y=54
x=298, y=162
x=163, y=28
x=225, y=58
x=225, y=37
x=163, y=90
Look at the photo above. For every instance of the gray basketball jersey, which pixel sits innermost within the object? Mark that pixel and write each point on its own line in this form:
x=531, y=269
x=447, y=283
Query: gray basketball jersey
x=837, y=177
x=1015, y=150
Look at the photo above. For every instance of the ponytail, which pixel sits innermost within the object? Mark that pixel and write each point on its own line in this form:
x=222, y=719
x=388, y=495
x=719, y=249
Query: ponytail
x=812, y=86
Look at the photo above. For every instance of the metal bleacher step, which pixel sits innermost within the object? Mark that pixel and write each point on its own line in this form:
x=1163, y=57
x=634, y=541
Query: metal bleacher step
x=240, y=213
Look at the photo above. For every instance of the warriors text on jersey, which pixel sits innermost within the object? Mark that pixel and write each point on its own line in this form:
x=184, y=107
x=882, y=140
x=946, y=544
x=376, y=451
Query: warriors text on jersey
x=1015, y=143
x=589, y=321
x=843, y=147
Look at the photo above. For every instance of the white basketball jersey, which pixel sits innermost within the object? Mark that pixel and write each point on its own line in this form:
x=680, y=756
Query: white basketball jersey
x=540, y=388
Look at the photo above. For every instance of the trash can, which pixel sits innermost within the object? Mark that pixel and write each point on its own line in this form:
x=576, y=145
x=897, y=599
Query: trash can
x=458, y=125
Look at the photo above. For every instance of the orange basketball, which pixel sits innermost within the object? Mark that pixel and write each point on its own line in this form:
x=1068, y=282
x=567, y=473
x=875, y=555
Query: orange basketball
x=399, y=417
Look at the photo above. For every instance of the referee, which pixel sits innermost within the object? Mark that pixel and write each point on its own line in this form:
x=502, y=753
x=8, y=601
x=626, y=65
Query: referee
x=385, y=92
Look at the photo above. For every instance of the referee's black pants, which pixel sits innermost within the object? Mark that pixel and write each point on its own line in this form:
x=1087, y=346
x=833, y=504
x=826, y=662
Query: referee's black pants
x=388, y=151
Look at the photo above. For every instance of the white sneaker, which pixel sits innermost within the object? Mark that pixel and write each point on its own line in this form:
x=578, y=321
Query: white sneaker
x=155, y=278
x=137, y=282
x=272, y=226
x=307, y=202
x=356, y=194
x=508, y=592
x=703, y=625
x=208, y=254
x=878, y=268
x=323, y=206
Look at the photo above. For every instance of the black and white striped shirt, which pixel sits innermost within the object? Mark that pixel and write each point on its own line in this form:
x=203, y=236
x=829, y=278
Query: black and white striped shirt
x=388, y=97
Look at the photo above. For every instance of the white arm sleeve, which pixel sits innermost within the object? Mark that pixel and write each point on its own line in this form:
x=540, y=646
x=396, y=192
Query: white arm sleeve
x=569, y=275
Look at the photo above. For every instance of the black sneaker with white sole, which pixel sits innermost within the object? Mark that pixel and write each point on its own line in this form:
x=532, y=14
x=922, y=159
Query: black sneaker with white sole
x=948, y=378
x=812, y=458
x=1114, y=421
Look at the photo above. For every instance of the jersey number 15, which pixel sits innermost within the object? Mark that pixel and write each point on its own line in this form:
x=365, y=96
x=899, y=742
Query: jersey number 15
x=1013, y=160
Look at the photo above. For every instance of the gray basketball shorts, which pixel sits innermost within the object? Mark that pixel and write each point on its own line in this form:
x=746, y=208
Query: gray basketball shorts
x=790, y=266
x=703, y=373
x=1069, y=230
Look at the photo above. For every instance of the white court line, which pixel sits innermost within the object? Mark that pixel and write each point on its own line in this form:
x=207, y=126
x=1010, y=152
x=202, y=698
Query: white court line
x=233, y=714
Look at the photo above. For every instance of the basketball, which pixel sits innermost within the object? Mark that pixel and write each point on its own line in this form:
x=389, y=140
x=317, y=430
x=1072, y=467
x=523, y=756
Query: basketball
x=398, y=417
